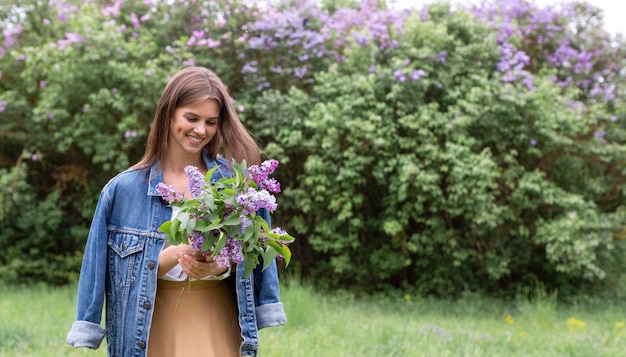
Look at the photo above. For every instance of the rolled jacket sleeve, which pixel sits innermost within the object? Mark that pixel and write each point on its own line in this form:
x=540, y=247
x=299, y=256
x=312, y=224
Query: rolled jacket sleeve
x=85, y=334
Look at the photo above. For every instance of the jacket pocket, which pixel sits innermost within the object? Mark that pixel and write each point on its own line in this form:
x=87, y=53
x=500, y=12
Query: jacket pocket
x=125, y=257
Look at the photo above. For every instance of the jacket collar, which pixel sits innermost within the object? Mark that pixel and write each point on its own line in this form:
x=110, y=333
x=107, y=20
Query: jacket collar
x=156, y=174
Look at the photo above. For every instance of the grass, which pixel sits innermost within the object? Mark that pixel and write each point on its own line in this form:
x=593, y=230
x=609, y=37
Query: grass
x=35, y=321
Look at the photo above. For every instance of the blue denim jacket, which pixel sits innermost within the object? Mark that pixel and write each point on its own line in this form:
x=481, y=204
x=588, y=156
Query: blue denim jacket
x=121, y=262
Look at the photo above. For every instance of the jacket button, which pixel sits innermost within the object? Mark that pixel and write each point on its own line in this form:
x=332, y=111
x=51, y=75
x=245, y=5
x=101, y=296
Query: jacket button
x=146, y=305
x=151, y=265
x=142, y=345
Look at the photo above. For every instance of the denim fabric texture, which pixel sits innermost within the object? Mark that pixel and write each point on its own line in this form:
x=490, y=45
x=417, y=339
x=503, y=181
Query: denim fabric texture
x=120, y=266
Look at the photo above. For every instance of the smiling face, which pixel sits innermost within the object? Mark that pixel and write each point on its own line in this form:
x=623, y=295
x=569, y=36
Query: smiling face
x=192, y=127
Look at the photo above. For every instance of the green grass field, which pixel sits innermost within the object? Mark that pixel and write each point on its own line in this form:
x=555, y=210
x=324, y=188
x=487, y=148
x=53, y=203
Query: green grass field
x=35, y=320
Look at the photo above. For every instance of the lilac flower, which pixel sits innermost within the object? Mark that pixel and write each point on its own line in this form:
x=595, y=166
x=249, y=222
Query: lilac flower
x=195, y=181
x=51, y=116
x=417, y=74
x=264, y=84
x=424, y=13
x=613, y=118
x=240, y=108
x=372, y=69
x=250, y=67
x=399, y=76
x=197, y=240
x=134, y=20
x=113, y=10
x=211, y=43
x=277, y=69
x=46, y=22
x=42, y=84
x=360, y=39
x=9, y=33
x=260, y=175
x=169, y=193
x=230, y=252
x=599, y=134
x=245, y=222
x=300, y=72
x=442, y=56
x=253, y=200
x=190, y=62
x=278, y=230
x=34, y=157
x=533, y=142
x=3, y=105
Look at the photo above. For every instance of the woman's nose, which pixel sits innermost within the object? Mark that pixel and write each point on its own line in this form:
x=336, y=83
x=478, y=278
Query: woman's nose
x=199, y=128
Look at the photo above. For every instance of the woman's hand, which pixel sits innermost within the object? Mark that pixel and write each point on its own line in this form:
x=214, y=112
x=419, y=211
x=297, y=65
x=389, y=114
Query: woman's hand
x=199, y=269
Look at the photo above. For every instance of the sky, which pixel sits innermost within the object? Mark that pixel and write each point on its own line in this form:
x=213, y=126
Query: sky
x=614, y=10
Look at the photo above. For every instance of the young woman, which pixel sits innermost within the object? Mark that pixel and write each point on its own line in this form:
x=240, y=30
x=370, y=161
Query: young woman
x=128, y=260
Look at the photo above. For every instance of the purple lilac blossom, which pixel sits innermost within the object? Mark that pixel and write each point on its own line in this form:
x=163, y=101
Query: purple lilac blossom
x=300, y=72
x=417, y=74
x=3, y=105
x=260, y=175
x=279, y=231
x=442, y=56
x=424, y=13
x=253, y=200
x=231, y=252
x=169, y=193
x=196, y=239
x=195, y=181
x=399, y=76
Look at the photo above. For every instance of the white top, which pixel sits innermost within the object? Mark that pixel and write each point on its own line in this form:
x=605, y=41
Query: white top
x=177, y=273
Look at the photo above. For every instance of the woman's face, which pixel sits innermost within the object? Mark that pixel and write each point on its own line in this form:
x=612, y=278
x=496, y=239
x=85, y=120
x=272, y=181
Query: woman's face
x=193, y=126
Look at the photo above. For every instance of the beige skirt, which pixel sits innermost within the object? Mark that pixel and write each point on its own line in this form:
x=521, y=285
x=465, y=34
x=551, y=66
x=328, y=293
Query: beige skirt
x=203, y=323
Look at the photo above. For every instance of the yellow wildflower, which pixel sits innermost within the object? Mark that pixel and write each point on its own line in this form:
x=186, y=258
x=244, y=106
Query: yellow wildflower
x=509, y=319
x=575, y=324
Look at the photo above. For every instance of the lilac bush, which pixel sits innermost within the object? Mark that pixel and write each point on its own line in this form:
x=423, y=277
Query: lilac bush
x=435, y=147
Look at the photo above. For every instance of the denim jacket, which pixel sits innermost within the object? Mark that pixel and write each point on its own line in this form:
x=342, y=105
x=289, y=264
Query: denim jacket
x=120, y=263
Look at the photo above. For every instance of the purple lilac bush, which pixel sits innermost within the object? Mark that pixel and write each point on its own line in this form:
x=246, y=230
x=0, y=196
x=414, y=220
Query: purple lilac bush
x=437, y=147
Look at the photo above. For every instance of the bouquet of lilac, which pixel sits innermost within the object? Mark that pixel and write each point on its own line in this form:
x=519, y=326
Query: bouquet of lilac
x=220, y=218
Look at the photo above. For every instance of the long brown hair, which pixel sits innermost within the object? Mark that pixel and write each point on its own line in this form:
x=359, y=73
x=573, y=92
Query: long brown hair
x=192, y=84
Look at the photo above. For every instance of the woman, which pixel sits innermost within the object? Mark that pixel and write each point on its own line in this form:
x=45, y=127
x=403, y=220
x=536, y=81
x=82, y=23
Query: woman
x=127, y=259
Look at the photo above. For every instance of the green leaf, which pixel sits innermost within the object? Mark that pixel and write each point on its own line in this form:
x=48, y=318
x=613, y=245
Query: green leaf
x=221, y=242
x=249, y=263
x=268, y=257
x=190, y=203
x=209, y=174
x=234, y=219
x=286, y=255
x=209, y=241
x=165, y=227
